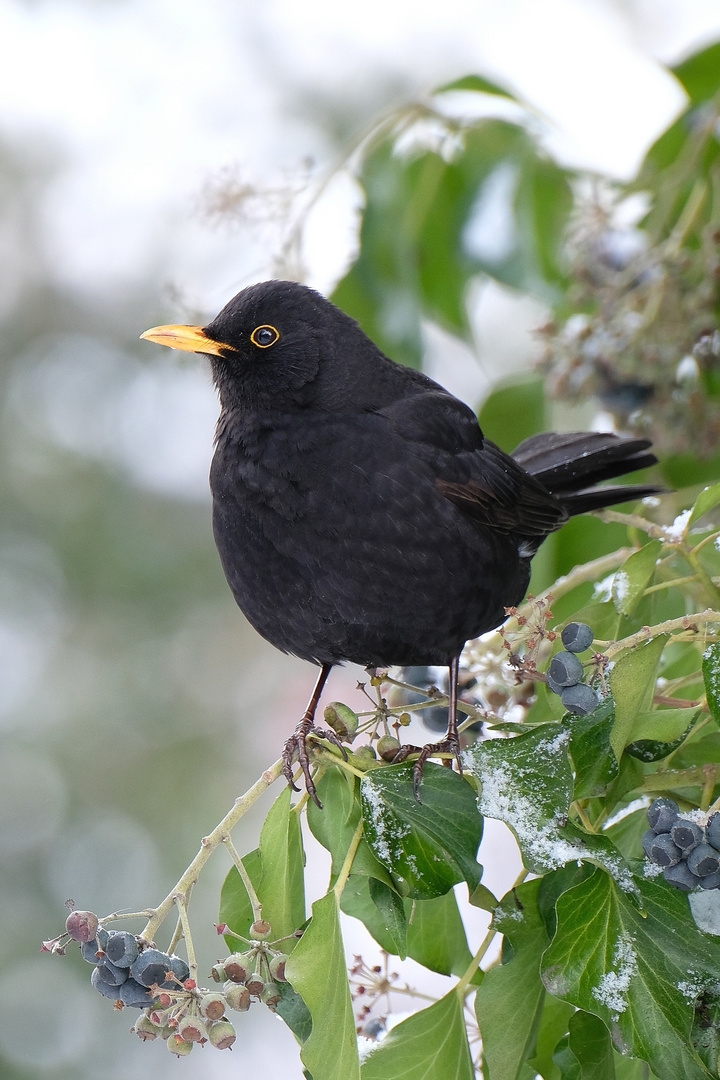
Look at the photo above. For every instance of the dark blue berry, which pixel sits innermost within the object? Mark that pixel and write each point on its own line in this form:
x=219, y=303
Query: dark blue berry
x=680, y=877
x=151, y=967
x=111, y=973
x=121, y=949
x=580, y=699
x=179, y=969
x=112, y=992
x=710, y=881
x=712, y=831
x=134, y=995
x=565, y=669
x=577, y=637
x=662, y=814
x=647, y=840
x=703, y=860
x=686, y=834
x=664, y=852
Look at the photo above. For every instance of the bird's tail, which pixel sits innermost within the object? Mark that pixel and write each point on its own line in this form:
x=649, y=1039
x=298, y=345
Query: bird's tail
x=572, y=465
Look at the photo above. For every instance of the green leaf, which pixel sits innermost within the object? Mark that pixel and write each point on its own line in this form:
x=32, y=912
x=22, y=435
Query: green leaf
x=595, y=763
x=334, y=827
x=513, y=989
x=657, y=733
x=711, y=678
x=316, y=970
x=700, y=73
x=553, y=1025
x=282, y=886
x=276, y=870
x=632, y=680
x=708, y=498
x=436, y=935
x=634, y=576
x=294, y=1012
x=429, y=845
x=235, y=907
x=392, y=913
x=638, y=971
x=429, y=1045
x=527, y=783
x=589, y=1041
x=477, y=83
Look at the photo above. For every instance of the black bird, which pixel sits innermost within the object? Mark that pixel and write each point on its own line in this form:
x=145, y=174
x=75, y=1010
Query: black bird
x=359, y=512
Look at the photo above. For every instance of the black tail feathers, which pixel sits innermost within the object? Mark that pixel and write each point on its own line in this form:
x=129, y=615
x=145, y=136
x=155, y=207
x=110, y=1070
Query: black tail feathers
x=571, y=464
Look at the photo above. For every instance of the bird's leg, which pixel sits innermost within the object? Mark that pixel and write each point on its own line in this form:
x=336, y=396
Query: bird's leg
x=449, y=744
x=297, y=743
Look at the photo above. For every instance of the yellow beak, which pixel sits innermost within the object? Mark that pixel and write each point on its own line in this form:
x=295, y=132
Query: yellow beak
x=187, y=338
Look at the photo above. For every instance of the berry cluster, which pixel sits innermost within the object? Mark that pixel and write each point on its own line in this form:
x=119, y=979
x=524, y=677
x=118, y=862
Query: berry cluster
x=688, y=850
x=565, y=671
x=135, y=974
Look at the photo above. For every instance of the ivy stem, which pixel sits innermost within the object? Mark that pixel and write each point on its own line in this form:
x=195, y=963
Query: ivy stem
x=347, y=864
x=583, y=817
x=685, y=622
x=245, y=878
x=180, y=900
x=461, y=987
x=207, y=846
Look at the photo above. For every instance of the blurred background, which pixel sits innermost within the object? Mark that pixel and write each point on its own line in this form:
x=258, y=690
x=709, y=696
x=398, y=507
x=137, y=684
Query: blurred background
x=155, y=157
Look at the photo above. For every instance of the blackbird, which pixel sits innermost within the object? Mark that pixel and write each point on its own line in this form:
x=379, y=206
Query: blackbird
x=359, y=512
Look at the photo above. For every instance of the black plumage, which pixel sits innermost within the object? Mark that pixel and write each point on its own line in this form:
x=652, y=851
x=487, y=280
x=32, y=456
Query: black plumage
x=358, y=510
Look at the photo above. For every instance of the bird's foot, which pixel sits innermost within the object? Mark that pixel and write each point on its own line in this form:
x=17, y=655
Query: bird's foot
x=296, y=746
x=449, y=745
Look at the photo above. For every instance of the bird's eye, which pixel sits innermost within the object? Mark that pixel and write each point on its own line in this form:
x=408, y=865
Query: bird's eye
x=263, y=336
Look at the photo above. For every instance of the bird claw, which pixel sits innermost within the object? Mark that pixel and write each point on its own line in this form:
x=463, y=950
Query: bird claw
x=296, y=745
x=449, y=745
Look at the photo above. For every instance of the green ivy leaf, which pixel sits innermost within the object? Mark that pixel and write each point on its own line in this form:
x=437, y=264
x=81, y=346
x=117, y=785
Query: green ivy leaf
x=429, y=845
x=276, y=869
x=711, y=678
x=513, y=989
x=589, y=1041
x=282, y=885
x=334, y=827
x=429, y=1045
x=595, y=763
x=316, y=970
x=632, y=680
x=708, y=498
x=634, y=576
x=392, y=914
x=436, y=935
x=235, y=907
x=638, y=971
x=527, y=783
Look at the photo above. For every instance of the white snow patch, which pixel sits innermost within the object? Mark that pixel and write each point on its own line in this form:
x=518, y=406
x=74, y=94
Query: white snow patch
x=620, y=586
x=612, y=989
x=675, y=532
x=625, y=811
x=602, y=590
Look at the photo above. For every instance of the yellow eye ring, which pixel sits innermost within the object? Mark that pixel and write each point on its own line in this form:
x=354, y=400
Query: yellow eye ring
x=264, y=336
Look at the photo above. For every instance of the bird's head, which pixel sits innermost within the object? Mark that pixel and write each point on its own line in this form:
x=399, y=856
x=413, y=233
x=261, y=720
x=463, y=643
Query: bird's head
x=277, y=345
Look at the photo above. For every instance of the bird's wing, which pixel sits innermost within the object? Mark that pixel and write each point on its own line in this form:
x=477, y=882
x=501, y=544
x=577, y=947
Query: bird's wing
x=485, y=483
